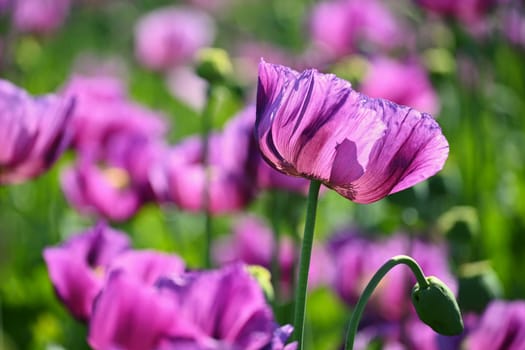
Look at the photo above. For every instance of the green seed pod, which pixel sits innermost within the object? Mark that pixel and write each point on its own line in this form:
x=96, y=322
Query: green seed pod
x=214, y=65
x=436, y=306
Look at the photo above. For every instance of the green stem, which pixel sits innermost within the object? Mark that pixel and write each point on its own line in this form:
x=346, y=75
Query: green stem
x=207, y=115
x=304, y=262
x=363, y=299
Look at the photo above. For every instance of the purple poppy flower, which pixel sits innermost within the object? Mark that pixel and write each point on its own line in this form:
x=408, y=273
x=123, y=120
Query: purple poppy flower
x=77, y=267
x=314, y=125
x=501, y=327
x=253, y=243
x=170, y=36
x=357, y=259
x=34, y=133
x=182, y=177
x=130, y=315
x=40, y=16
x=386, y=78
x=209, y=310
x=117, y=141
x=341, y=27
x=104, y=110
x=227, y=308
x=116, y=184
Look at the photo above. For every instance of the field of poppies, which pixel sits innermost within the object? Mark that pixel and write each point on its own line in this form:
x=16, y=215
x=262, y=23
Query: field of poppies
x=231, y=174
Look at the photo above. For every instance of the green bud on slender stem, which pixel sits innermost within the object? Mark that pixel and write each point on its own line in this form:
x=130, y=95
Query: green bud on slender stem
x=214, y=65
x=367, y=293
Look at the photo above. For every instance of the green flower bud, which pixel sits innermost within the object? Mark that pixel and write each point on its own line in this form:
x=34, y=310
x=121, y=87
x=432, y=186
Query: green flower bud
x=436, y=306
x=478, y=286
x=264, y=278
x=214, y=65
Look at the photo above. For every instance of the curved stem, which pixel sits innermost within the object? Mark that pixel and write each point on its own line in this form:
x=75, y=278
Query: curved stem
x=304, y=262
x=363, y=299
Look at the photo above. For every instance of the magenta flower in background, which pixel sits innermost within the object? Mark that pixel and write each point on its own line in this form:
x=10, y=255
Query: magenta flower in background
x=34, y=133
x=171, y=36
x=181, y=177
x=513, y=24
x=227, y=308
x=408, y=333
x=468, y=11
x=77, y=267
x=185, y=85
x=239, y=138
x=314, y=125
x=501, y=327
x=342, y=27
x=252, y=242
x=117, y=142
x=104, y=109
x=40, y=16
x=130, y=315
x=208, y=310
x=116, y=184
x=403, y=83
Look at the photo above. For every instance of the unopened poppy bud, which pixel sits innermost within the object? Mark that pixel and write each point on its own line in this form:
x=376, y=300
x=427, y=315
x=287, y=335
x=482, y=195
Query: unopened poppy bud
x=478, y=286
x=264, y=278
x=436, y=306
x=214, y=65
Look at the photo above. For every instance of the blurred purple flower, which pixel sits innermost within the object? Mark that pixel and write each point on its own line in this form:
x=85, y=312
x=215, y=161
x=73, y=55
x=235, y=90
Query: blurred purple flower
x=40, y=16
x=410, y=333
x=501, y=327
x=34, y=133
x=103, y=110
x=171, y=36
x=208, y=310
x=77, y=267
x=342, y=27
x=357, y=258
x=513, y=24
x=253, y=243
x=469, y=11
x=181, y=178
x=314, y=125
x=228, y=309
x=185, y=85
x=113, y=185
x=130, y=315
x=239, y=135
x=117, y=143
x=403, y=83
x=181, y=175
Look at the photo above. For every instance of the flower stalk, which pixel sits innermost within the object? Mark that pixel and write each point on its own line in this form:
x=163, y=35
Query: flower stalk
x=304, y=262
x=207, y=115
